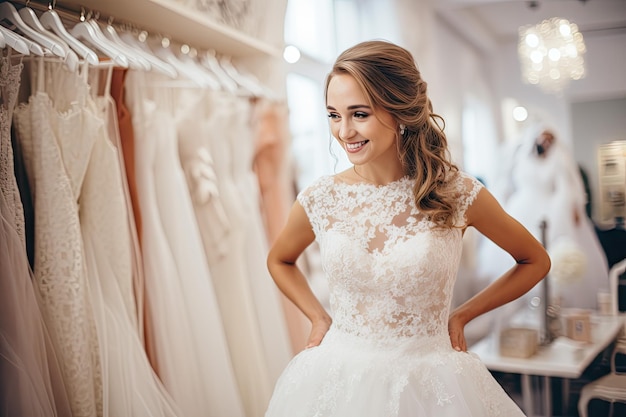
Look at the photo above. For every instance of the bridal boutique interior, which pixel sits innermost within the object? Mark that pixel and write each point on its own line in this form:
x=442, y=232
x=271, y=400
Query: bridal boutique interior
x=151, y=149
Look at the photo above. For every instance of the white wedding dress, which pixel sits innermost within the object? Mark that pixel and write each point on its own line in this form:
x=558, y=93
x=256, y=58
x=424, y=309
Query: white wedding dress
x=130, y=386
x=212, y=150
x=56, y=174
x=273, y=326
x=30, y=378
x=550, y=188
x=185, y=334
x=391, y=277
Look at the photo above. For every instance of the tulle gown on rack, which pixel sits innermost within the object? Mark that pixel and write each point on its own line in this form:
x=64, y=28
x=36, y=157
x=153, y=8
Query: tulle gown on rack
x=55, y=178
x=184, y=330
x=273, y=326
x=273, y=175
x=30, y=378
x=207, y=155
x=390, y=276
x=131, y=388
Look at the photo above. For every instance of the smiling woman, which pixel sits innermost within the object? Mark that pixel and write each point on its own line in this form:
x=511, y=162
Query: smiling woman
x=367, y=134
x=390, y=232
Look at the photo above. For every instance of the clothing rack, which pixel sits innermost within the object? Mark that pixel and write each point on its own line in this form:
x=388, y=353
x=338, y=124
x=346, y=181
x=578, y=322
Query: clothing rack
x=68, y=13
x=165, y=18
x=170, y=23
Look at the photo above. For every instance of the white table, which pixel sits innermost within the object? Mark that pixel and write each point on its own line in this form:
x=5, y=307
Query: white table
x=562, y=358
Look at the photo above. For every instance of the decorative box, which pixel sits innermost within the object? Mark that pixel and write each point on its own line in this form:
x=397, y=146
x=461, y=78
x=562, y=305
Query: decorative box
x=518, y=342
x=578, y=325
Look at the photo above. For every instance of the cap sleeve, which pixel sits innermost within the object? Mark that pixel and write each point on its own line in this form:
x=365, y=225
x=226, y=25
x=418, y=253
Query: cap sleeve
x=314, y=201
x=467, y=188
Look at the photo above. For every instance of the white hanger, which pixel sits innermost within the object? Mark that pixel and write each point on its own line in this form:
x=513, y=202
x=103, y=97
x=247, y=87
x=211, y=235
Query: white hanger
x=15, y=41
x=9, y=13
x=131, y=53
x=86, y=31
x=31, y=19
x=164, y=52
x=187, y=55
x=248, y=82
x=141, y=48
x=209, y=60
x=134, y=61
x=51, y=20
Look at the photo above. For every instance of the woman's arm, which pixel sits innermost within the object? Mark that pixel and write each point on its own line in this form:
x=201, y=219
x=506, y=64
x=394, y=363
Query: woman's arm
x=532, y=263
x=295, y=237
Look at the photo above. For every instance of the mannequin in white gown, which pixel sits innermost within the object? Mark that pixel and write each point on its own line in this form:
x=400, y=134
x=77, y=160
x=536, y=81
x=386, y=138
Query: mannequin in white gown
x=544, y=184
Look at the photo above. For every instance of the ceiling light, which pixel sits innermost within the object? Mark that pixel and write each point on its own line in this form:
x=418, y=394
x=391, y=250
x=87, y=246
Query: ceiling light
x=551, y=54
x=520, y=114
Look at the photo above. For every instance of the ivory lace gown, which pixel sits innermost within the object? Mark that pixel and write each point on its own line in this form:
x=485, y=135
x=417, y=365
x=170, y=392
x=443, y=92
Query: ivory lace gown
x=390, y=276
x=30, y=378
x=56, y=175
x=131, y=388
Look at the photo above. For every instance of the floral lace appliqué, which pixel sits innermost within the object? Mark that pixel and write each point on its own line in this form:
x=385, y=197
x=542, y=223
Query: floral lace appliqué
x=390, y=272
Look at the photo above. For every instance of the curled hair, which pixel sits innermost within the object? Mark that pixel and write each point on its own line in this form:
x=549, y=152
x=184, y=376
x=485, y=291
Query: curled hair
x=391, y=81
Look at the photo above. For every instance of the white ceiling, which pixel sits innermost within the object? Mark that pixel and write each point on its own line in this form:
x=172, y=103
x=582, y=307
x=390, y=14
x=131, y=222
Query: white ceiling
x=490, y=22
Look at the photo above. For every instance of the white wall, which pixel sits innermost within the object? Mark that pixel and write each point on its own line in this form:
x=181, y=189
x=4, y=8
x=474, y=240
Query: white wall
x=596, y=122
x=458, y=75
x=606, y=69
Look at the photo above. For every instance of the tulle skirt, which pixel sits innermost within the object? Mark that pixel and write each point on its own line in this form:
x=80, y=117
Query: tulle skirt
x=347, y=376
x=30, y=377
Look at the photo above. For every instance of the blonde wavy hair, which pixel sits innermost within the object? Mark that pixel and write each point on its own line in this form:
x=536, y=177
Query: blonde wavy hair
x=391, y=81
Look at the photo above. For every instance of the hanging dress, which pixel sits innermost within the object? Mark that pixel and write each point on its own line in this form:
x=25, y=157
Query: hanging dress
x=131, y=387
x=272, y=169
x=207, y=157
x=183, y=324
x=55, y=178
x=30, y=378
x=273, y=325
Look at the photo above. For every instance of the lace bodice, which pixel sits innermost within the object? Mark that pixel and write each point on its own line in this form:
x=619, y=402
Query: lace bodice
x=390, y=271
x=9, y=86
x=46, y=136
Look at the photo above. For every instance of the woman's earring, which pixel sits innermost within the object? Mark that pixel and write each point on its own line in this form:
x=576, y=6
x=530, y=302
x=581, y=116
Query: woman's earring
x=402, y=129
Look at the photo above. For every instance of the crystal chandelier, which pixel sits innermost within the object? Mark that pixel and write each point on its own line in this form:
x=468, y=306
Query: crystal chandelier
x=551, y=54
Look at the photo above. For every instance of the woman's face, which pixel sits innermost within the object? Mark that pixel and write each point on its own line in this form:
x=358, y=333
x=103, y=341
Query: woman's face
x=365, y=133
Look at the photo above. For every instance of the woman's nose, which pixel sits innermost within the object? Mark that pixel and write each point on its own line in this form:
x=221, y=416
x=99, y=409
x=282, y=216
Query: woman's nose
x=345, y=131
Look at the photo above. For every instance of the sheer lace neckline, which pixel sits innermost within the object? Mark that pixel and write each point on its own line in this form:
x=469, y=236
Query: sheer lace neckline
x=399, y=183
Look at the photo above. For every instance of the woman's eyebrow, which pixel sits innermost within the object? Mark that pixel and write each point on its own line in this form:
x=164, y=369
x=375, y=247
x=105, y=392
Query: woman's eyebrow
x=353, y=107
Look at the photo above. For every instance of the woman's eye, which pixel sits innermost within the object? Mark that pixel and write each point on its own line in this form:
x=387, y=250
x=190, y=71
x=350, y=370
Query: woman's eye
x=360, y=115
x=333, y=116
